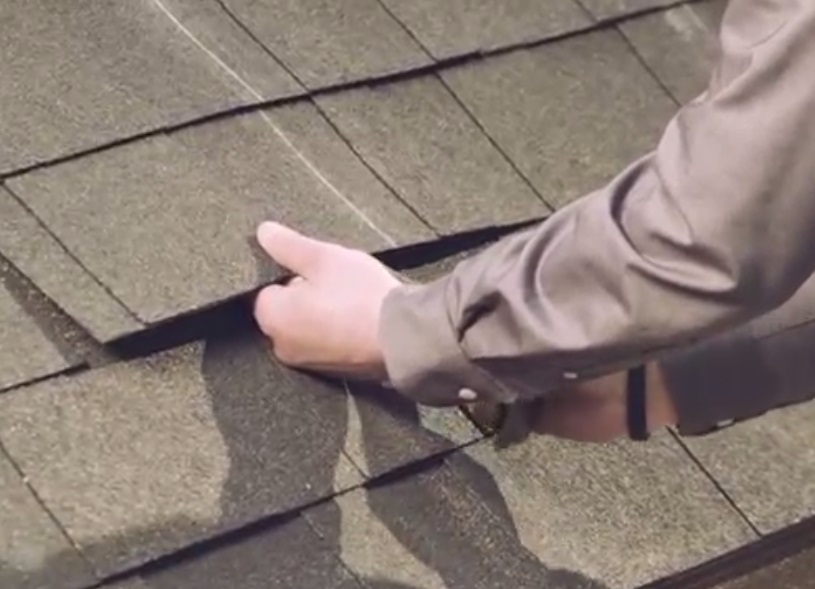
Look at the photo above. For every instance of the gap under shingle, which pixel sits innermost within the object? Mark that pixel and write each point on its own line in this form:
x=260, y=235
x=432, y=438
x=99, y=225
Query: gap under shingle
x=235, y=314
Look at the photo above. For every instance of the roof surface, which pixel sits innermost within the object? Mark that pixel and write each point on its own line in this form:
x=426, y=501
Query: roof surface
x=140, y=145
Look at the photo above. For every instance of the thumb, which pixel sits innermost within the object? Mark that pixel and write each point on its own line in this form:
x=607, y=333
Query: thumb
x=290, y=249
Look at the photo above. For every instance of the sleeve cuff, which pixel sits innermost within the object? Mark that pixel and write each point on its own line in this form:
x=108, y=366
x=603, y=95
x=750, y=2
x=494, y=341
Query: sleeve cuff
x=423, y=357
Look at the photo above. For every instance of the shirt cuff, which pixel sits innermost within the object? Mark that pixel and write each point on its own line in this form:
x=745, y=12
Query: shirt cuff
x=423, y=356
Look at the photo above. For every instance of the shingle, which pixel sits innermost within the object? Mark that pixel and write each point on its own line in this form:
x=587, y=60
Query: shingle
x=144, y=458
x=80, y=74
x=603, y=9
x=456, y=27
x=679, y=45
x=767, y=465
x=432, y=530
x=623, y=514
x=288, y=556
x=33, y=552
x=168, y=223
x=795, y=572
x=425, y=146
x=570, y=114
x=325, y=43
x=451, y=527
x=228, y=40
x=27, y=245
x=26, y=352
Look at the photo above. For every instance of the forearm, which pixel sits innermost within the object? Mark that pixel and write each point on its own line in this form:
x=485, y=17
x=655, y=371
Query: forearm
x=714, y=228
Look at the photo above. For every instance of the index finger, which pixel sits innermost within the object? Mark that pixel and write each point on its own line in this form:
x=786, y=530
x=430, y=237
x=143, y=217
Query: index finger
x=290, y=249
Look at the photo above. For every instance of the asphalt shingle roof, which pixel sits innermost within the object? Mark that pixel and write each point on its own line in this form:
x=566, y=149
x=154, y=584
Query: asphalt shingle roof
x=140, y=145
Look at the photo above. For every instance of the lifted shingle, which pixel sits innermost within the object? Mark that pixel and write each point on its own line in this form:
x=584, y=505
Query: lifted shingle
x=168, y=223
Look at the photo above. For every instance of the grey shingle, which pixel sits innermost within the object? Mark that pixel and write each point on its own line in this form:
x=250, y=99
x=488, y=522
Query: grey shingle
x=603, y=9
x=144, y=458
x=79, y=74
x=766, y=465
x=27, y=245
x=229, y=42
x=168, y=223
x=33, y=552
x=386, y=431
x=26, y=352
x=287, y=556
x=456, y=27
x=325, y=42
x=425, y=146
x=544, y=514
x=432, y=530
x=570, y=114
x=679, y=45
x=623, y=514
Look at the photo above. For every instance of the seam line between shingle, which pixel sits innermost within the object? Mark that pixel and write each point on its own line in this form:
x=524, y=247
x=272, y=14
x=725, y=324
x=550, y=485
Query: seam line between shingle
x=308, y=164
x=466, y=110
x=580, y=4
x=496, y=145
x=717, y=485
x=71, y=255
x=15, y=283
x=373, y=171
x=326, y=118
x=646, y=65
x=58, y=524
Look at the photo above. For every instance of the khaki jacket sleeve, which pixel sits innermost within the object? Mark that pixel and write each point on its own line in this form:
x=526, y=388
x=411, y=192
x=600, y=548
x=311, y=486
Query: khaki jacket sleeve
x=712, y=229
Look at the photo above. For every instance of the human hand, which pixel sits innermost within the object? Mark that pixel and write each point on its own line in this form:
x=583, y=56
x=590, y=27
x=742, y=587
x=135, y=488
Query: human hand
x=326, y=319
x=590, y=411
